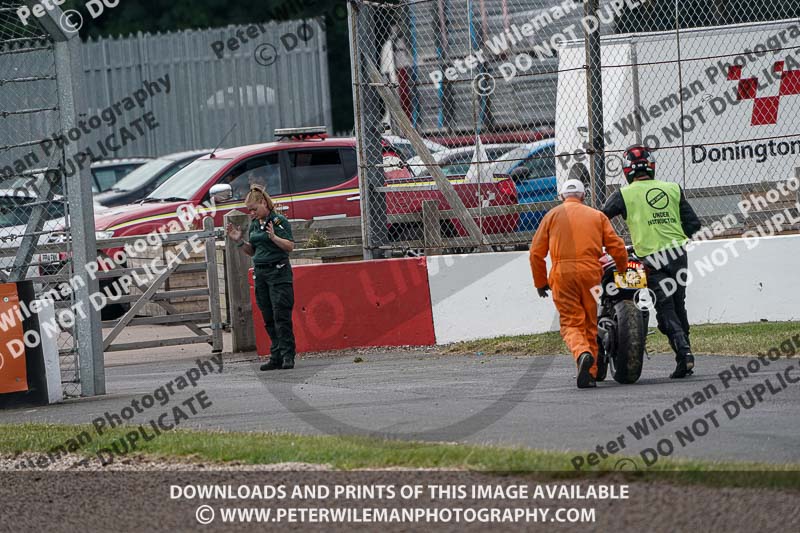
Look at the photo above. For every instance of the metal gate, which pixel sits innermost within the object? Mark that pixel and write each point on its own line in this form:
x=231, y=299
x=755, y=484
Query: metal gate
x=152, y=290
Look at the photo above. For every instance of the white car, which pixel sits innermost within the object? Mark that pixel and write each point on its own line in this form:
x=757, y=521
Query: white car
x=456, y=161
x=406, y=149
x=15, y=210
x=107, y=172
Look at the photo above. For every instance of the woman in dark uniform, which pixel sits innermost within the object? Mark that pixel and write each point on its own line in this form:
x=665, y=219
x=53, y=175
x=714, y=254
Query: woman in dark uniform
x=270, y=241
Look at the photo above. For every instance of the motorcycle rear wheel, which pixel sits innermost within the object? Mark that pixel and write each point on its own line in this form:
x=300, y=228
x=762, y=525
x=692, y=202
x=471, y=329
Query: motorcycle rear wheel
x=630, y=342
x=602, y=362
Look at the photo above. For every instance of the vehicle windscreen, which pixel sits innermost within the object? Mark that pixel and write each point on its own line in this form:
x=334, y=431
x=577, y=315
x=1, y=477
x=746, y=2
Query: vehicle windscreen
x=185, y=183
x=105, y=178
x=510, y=160
x=459, y=164
x=141, y=175
x=405, y=150
x=541, y=164
x=540, y=161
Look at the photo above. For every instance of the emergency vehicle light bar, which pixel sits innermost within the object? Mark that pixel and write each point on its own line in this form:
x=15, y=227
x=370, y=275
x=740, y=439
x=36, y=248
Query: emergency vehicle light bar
x=301, y=133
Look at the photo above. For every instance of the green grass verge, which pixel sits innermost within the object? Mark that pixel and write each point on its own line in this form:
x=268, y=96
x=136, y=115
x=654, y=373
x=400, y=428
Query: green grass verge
x=718, y=339
x=346, y=453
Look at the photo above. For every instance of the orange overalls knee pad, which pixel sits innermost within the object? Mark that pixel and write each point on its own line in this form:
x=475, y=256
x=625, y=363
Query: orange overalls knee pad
x=572, y=295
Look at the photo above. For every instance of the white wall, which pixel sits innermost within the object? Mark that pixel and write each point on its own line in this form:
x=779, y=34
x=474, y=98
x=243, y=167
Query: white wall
x=486, y=295
x=491, y=295
x=52, y=366
x=762, y=283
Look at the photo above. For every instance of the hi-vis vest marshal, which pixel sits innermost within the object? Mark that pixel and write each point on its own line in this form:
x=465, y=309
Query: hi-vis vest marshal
x=654, y=216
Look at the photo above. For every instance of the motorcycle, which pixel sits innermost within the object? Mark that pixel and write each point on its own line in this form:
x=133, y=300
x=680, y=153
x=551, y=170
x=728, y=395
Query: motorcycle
x=622, y=320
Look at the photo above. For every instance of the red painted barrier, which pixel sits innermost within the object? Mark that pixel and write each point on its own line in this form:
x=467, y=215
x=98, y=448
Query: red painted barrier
x=357, y=304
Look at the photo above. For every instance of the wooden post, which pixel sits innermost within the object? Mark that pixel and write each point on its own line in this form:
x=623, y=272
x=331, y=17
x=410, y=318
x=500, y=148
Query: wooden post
x=431, y=226
x=407, y=130
x=213, y=286
x=241, y=310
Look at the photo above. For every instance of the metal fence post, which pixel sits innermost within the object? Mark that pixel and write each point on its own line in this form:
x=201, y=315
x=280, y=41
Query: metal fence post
x=594, y=98
x=635, y=87
x=88, y=332
x=368, y=128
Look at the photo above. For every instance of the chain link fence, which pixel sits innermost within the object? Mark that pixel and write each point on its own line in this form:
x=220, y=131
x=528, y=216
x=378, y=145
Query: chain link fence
x=513, y=97
x=38, y=175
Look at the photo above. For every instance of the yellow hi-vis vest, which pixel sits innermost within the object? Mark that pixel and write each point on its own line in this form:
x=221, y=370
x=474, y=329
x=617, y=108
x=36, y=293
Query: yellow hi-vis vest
x=654, y=216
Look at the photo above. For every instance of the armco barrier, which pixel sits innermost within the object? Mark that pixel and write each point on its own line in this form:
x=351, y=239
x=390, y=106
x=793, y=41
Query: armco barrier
x=491, y=295
x=357, y=304
x=465, y=297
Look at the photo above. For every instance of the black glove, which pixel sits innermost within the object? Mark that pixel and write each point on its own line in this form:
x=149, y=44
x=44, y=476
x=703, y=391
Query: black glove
x=543, y=291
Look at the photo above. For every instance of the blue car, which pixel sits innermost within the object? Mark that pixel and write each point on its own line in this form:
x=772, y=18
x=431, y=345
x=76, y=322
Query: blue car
x=533, y=167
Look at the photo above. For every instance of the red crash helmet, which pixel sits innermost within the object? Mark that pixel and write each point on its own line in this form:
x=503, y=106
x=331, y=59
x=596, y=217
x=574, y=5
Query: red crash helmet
x=638, y=160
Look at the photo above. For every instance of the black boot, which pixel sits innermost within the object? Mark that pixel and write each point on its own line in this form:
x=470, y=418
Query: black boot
x=690, y=355
x=585, y=379
x=272, y=364
x=680, y=371
x=683, y=356
x=288, y=362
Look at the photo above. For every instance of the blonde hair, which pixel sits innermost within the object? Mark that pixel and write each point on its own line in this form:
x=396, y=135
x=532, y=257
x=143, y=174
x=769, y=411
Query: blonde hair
x=257, y=195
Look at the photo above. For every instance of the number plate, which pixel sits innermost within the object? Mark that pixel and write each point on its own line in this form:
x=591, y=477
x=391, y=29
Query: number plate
x=631, y=279
x=48, y=258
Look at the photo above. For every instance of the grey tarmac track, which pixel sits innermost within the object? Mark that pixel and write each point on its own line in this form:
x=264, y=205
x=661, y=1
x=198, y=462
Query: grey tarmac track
x=503, y=400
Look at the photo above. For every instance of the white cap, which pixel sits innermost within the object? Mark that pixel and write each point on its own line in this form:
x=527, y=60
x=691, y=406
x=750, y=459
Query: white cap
x=572, y=187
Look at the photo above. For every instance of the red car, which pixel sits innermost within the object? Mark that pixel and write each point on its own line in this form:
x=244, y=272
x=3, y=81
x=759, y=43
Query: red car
x=309, y=176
